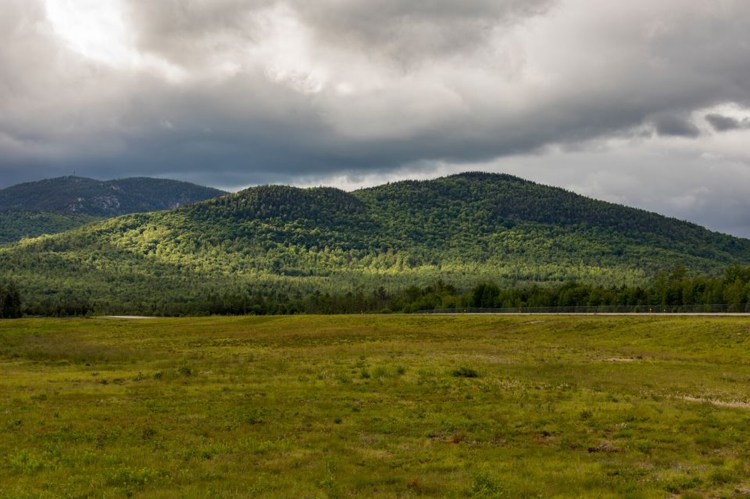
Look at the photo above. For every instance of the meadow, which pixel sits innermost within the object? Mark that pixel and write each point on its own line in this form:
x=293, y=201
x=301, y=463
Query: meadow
x=375, y=405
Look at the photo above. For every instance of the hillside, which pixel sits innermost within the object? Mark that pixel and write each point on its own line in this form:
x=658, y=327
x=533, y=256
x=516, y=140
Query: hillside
x=278, y=240
x=58, y=204
x=16, y=225
x=86, y=196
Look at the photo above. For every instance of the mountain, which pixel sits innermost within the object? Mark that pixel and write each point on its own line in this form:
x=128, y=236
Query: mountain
x=463, y=229
x=16, y=225
x=79, y=195
x=53, y=205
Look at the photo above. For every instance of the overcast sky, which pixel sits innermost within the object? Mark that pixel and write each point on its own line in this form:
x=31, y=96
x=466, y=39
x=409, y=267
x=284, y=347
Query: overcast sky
x=645, y=103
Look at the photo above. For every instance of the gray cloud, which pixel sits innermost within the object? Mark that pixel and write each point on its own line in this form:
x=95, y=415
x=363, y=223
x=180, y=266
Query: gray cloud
x=671, y=125
x=391, y=31
x=234, y=92
x=722, y=123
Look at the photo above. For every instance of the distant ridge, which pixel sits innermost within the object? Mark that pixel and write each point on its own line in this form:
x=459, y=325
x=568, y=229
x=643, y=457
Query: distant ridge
x=85, y=196
x=58, y=204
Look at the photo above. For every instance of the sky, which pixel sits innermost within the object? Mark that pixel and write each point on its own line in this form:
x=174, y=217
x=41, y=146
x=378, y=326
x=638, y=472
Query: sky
x=644, y=103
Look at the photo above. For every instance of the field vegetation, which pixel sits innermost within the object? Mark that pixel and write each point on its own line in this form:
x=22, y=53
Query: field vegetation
x=385, y=405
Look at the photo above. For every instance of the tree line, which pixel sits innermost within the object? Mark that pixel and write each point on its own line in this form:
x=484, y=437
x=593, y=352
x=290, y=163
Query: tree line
x=10, y=301
x=667, y=292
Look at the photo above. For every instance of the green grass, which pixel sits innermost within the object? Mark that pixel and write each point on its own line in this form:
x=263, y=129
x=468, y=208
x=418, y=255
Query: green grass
x=393, y=406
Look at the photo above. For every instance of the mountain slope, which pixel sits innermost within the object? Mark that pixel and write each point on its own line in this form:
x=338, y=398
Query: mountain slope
x=276, y=239
x=16, y=225
x=55, y=205
x=491, y=205
x=85, y=196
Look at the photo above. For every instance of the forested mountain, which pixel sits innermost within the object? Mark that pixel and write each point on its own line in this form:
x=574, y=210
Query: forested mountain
x=15, y=225
x=86, y=196
x=58, y=204
x=283, y=241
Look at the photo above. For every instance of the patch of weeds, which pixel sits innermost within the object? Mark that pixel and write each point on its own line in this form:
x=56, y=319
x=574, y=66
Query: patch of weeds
x=711, y=440
x=585, y=414
x=254, y=417
x=185, y=371
x=458, y=438
x=465, y=372
x=722, y=476
x=26, y=462
x=681, y=483
x=605, y=447
x=401, y=370
x=414, y=484
x=484, y=486
x=644, y=446
x=364, y=374
x=329, y=478
x=132, y=477
x=148, y=433
x=420, y=412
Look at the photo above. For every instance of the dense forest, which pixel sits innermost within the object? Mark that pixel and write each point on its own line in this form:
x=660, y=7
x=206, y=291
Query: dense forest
x=276, y=249
x=102, y=198
x=59, y=204
x=10, y=301
x=674, y=291
x=670, y=292
x=16, y=225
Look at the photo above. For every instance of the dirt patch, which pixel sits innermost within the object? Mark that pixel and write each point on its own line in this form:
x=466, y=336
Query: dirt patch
x=721, y=403
x=605, y=447
x=128, y=317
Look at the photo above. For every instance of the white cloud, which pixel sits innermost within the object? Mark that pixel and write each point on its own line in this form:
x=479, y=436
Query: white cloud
x=99, y=31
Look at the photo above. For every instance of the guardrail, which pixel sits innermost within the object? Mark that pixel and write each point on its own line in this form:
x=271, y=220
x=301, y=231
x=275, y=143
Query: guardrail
x=602, y=309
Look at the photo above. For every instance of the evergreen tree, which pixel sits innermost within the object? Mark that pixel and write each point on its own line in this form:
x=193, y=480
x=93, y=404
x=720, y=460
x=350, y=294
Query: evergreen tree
x=10, y=301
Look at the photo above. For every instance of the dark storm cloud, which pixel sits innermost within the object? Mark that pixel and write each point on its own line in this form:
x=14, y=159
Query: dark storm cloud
x=234, y=92
x=392, y=29
x=676, y=126
x=249, y=124
x=414, y=33
x=722, y=123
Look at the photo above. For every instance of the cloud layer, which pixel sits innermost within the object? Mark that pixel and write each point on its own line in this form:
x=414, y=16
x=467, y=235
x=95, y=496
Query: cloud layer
x=231, y=92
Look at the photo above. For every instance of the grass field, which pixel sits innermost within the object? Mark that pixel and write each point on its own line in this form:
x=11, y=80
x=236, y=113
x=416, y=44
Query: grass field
x=309, y=406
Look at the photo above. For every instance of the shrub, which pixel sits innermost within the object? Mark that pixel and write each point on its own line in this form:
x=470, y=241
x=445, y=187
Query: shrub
x=465, y=372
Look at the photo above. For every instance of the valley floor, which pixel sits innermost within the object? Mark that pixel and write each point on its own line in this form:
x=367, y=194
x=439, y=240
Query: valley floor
x=387, y=405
